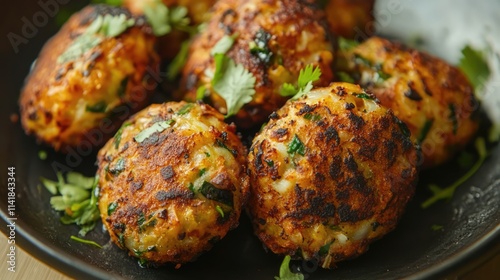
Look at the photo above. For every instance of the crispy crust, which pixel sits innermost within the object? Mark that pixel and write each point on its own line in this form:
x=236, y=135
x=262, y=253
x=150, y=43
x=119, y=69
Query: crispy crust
x=433, y=98
x=347, y=187
x=56, y=96
x=166, y=192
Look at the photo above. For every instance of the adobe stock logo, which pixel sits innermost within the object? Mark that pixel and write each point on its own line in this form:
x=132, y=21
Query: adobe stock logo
x=39, y=19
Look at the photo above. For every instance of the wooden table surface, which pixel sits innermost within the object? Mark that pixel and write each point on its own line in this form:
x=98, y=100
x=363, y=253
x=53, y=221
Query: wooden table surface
x=27, y=267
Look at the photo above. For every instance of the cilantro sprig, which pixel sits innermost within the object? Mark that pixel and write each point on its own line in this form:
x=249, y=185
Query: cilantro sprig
x=163, y=19
x=474, y=66
x=76, y=196
x=447, y=193
x=307, y=76
x=230, y=80
x=286, y=273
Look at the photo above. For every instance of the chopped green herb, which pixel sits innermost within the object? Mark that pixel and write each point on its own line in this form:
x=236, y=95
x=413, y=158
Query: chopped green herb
x=202, y=172
x=360, y=60
x=213, y=193
x=163, y=20
x=233, y=83
x=179, y=60
x=219, y=209
x=363, y=95
x=118, y=136
x=475, y=67
x=347, y=44
x=259, y=46
x=207, y=154
x=106, y=26
x=139, y=253
x=85, y=241
x=143, y=223
x=436, y=227
x=323, y=251
x=157, y=127
x=121, y=239
x=335, y=227
x=447, y=193
x=143, y=263
x=269, y=162
x=185, y=109
x=296, y=146
x=425, y=130
x=191, y=187
x=382, y=75
x=224, y=44
x=122, y=90
x=453, y=117
x=78, y=179
x=118, y=167
x=42, y=155
x=344, y=77
x=78, y=47
x=307, y=76
x=76, y=200
x=465, y=160
x=50, y=185
x=286, y=273
x=312, y=117
x=112, y=207
x=99, y=107
x=200, y=92
x=108, y=2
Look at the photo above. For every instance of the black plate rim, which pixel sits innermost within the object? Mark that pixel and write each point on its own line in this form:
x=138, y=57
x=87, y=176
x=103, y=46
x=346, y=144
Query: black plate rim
x=53, y=256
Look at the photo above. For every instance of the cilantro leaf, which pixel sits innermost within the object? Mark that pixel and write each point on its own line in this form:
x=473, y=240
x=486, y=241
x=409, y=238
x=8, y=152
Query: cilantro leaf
x=474, y=66
x=156, y=127
x=113, y=26
x=286, y=273
x=223, y=45
x=307, y=76
x=179, y=60
x=232, y=82
x=102, y=27
x=447, y=193
x=347, y=44
x=163, y=20
x=77, y=198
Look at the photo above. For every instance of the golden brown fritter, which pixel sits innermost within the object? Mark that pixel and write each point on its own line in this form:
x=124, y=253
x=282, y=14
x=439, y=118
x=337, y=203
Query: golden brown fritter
x=73, y=93
x=433, y=98
x=351, y=19
x=330, y=173
x=274, y=40
x=172, y=182
x=170, y=44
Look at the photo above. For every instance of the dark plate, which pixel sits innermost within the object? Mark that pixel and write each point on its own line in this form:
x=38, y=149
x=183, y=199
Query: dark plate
x=471, y=220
